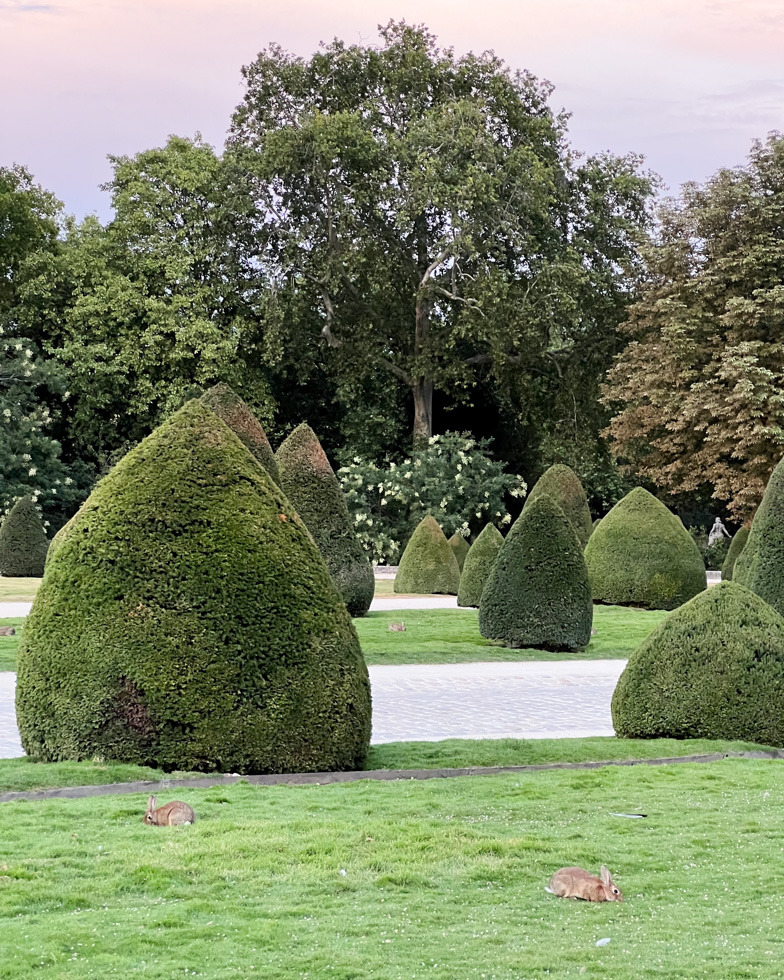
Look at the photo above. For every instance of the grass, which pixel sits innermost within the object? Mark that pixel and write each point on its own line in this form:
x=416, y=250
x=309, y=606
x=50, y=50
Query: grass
x=18, y=589
x=452, y=636
x=437, y=879
x=19, y=775
x=8, y=644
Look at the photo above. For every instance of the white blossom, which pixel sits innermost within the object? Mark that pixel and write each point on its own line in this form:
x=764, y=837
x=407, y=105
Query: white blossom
x=32, y=471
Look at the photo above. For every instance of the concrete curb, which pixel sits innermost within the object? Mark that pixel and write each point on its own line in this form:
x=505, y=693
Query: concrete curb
x=380, y=775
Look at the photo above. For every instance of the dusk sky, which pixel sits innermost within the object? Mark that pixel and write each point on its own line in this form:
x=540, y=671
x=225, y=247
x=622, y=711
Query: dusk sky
x=687, y=83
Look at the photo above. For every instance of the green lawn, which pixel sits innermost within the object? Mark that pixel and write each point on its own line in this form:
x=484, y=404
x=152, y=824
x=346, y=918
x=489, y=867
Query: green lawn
x=452, y=636
x=438, y=879
x=8, y=644
x=18, y=589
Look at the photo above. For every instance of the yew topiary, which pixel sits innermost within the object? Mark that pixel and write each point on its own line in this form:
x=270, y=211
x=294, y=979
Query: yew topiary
x=760, y=566
x=428, y=565
x=713, y=669
x=478, y=565
x=641, y=555
x=561, y=484
x=537, y=594
x=228, y=406
x=461, y=547
x=23, y=541
x=734, y=552
x=309, y=482
x=187, y=621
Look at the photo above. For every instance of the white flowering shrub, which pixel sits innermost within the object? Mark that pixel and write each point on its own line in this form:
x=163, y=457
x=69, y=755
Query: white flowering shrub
x=454, y=479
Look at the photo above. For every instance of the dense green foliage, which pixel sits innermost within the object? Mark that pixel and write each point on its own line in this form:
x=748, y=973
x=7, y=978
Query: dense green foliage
x=760, y=566
x=641, y=555
x=428, y=564
x=461, y=547
x=537, y=593
x=562, y=486
x=228, y=406
x=188, y=622
x=736, y=547
x=23, y=541
x=478, y=565
x=309, y=482
x=713, y=669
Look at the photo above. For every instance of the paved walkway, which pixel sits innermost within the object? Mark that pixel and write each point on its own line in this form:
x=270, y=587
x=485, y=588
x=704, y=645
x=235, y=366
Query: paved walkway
x=10, y=746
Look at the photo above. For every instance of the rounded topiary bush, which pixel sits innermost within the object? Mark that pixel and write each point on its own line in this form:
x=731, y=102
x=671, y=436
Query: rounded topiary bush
x=737, y=545
x=461, y=547
x=760, y=566
x=641, y=555
x=428, y=565
x=228, y=406
x=561, y=484
x=23, y=541
x=187, y=621
x=309, y=482
x=537, y=594
x=713, y=669
x=478, y=565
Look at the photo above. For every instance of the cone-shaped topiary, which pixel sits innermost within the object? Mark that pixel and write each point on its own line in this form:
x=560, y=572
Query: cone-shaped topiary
x=562, y=485
x=478, y=565
x=737, y=545
x=461, y=547
x=641, y=555
x=310, y=483
x=428, y=565
x=760, y=566
x=188, y=622
x=537, y=594
x=23, y=541
x=228, y=406
x=713, y=669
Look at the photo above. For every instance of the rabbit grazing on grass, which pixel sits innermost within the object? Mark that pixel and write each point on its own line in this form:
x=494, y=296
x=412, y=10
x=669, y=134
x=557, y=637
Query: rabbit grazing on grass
x=169, y=815
x=397, y=627
x=576, y=883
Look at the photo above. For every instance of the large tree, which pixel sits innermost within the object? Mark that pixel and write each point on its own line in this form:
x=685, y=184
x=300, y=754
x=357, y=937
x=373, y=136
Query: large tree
x=699, y=390
x=430, y=212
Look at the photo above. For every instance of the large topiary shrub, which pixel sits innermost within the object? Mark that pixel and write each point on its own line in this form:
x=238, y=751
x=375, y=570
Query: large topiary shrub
x=461, y=547
x=23, y=541
x=760, y=566
x=641, y=555
x=561, y=484
x=737, y=545
x=428, y=564
x=478, y=565
x=228, y=406
x=713, y=669
x=537, y=594
x=188, y=621
x=309, y=482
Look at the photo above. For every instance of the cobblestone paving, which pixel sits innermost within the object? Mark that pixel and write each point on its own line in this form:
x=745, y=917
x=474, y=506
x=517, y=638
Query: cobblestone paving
x=10, y=746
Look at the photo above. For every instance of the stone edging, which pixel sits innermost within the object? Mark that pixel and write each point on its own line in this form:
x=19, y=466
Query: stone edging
x=382, y=775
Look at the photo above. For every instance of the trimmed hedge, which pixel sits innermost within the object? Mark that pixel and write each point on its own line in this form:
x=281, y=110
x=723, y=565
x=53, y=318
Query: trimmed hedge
x=23, y=541
x=461, y=547
x=478, y=565
x=228, y=406
x=737, y=545
x=428, y=565
x=537, y=594
x=187, y=621
x=760, y=566
x=309, y=482
x=713, y=669
x=641, y=555
x=561, y=484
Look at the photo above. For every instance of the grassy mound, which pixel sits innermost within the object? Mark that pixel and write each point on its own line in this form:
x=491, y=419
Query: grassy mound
x=737, y=545
x=228, y=406
x=191, y=623
x=712, y=669
x=309, y=482
x=478, y=565
x=537, y=594
x=641, y=555
x=428, y=565
x=561, y=484
x=461, y=547
x=23, y=542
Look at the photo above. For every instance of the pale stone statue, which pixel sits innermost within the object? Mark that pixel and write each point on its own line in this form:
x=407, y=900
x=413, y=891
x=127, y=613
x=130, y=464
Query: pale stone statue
x=717, y=532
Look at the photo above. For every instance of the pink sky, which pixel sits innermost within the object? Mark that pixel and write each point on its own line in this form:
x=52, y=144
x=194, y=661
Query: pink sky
x=688, y=83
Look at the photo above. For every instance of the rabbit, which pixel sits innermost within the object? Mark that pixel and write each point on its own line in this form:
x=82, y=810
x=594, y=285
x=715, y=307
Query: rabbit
x=397, y=627
x=168, y=815
x=576, y=883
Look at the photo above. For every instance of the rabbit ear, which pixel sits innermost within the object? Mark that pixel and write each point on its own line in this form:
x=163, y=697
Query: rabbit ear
x=606, y=876
x=151, y=803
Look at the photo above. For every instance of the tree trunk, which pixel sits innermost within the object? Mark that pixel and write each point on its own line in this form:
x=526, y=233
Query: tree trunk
x=422, y=391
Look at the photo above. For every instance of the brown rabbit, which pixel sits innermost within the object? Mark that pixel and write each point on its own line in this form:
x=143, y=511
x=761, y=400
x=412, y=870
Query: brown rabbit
x=169, y=815
x=397, y=627
x=576, y=883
